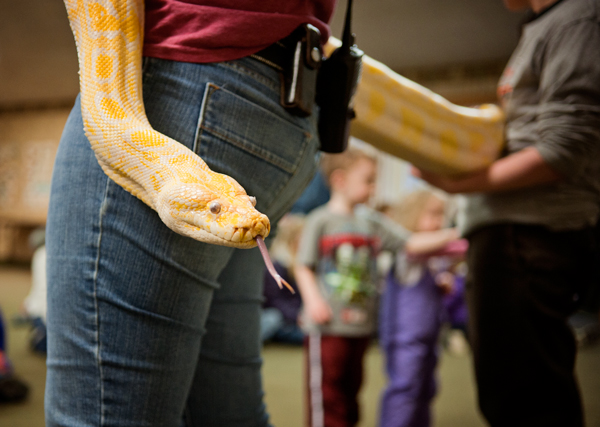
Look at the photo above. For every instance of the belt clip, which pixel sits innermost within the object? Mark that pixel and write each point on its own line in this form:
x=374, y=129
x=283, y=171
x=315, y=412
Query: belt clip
x=299, y=79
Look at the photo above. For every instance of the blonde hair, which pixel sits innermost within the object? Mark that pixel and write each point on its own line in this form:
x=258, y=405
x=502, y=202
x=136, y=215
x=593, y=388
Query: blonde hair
x=289, y=228
x=343, y=161
x=410, y=209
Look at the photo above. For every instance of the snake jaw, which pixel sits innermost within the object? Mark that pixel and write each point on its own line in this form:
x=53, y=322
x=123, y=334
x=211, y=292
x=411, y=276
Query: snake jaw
x=259, y=227
x=245, y=237
x=238, y=225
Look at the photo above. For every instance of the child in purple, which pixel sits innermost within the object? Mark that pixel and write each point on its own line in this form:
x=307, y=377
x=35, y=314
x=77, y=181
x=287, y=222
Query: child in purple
x=411, y=315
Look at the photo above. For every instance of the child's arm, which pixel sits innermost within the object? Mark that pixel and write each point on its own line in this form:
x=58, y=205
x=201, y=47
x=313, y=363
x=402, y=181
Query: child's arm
x=315, y=305
x=425, y=242
x=394, y=237
x=307, y=258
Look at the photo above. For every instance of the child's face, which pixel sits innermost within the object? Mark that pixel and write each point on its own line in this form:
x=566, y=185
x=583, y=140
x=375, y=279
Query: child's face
x=433, y=216
x=359, y=181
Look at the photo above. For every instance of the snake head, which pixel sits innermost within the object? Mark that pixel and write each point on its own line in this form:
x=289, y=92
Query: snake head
x=220, y=213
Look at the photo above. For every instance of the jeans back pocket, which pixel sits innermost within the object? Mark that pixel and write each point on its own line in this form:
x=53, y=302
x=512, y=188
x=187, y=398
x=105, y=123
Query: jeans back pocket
x=256, y=147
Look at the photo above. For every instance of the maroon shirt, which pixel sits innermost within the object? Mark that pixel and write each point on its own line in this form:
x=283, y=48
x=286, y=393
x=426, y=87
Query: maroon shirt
x=221, y=30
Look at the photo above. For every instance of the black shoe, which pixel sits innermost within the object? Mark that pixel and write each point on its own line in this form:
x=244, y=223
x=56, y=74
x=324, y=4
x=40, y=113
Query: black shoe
x=12, y=390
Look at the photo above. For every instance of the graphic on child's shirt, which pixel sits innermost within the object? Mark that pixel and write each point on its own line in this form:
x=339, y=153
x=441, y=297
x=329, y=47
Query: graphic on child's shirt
x=348, y=267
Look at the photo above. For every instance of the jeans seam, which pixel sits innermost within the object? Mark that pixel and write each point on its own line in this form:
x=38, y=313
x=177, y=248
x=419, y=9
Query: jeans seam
x=145, y=63
x=271, y=160
x=283, y=186
x=97, y=317
x=198, y=135
x=271, y=84
x=267, y=155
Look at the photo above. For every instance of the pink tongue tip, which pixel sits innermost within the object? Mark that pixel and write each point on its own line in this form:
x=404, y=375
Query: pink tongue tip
x=265, y=254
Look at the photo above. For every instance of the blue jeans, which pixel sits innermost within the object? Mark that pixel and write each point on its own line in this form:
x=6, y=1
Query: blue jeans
x=147, y=327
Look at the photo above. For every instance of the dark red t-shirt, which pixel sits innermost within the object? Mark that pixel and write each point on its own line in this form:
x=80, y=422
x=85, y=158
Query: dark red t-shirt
x=221, y=30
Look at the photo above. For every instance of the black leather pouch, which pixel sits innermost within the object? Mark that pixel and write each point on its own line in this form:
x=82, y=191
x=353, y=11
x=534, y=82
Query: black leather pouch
x=300, y=75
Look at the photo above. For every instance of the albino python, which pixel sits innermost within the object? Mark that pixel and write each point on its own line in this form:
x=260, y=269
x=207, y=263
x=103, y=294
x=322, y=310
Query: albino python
x=190, y=198
x=393, y=114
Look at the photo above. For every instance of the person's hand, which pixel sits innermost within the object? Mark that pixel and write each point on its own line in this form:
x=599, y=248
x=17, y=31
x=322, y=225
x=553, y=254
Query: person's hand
x=445, y=282
x=523, y=169
x=318, y=310
x=426, y=243
x=448, y=184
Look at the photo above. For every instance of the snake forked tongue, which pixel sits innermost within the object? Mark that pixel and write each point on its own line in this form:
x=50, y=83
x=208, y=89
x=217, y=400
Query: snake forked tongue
x=265, y=254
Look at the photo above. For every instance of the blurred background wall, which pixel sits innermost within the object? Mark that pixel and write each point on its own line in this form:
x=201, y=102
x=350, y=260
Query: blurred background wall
x=456, y=48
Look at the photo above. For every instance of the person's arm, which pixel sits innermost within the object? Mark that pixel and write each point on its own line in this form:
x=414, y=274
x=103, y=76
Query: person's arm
x=307, y=258
x=568, y=121
x=315, y=305
x=190, y=198
x=395, y=238
x=526, y=168
x=426, y=242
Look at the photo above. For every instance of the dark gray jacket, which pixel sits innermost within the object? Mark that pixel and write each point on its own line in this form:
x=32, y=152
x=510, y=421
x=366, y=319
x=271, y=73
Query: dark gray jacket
x=550, y=91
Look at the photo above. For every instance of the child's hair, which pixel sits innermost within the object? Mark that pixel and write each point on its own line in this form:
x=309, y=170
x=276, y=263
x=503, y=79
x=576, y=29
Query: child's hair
x=289, y=229
x=409, y=210
x=343, y=161
x=384, y=208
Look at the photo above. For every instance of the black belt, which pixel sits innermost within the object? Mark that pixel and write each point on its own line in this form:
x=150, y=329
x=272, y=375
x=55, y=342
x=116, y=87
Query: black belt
x=297, y=58
x=280, y=55
x=277, y=55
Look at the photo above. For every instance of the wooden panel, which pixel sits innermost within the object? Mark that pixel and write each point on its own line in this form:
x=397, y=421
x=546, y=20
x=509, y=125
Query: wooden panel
x=28, y=144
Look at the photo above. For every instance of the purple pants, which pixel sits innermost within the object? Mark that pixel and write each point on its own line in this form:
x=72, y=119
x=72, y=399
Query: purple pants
x=410, y=322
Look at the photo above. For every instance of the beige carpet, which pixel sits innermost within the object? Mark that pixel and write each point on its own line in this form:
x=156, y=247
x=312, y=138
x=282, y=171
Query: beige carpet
x=454, y=406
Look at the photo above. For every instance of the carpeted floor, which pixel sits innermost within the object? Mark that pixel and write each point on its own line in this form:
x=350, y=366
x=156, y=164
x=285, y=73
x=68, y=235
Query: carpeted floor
x=454, y=406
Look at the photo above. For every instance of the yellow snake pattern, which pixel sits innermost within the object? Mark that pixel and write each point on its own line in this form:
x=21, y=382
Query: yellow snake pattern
x=411, y=122
x=393, y=114
x=190, y=198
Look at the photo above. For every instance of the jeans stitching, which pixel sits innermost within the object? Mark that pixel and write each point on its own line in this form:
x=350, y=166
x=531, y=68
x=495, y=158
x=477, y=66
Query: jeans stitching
x=205, y=97
x=95, y=279
x=283, y=186
x=271, y=84
x=266, y=155
x=145, y=64
x=269, y=158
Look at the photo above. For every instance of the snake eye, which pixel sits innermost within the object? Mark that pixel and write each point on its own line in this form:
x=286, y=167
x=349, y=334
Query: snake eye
x=214, y=207
x=253, y=200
